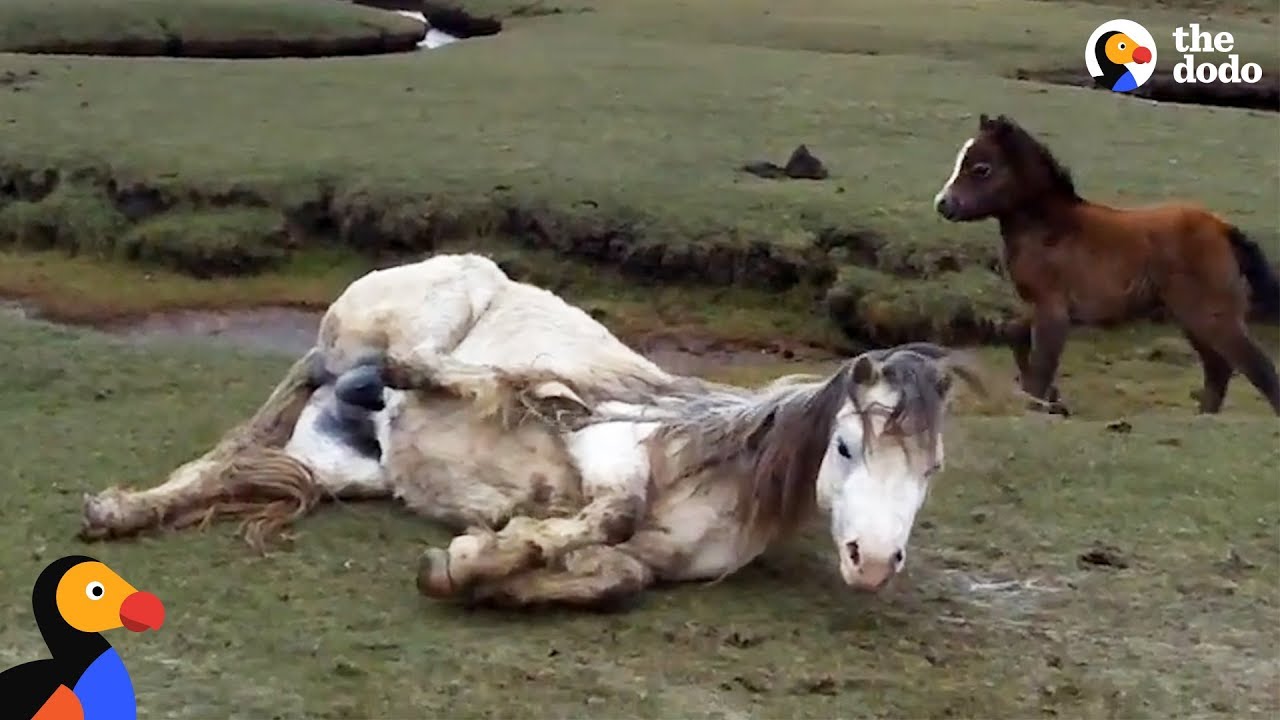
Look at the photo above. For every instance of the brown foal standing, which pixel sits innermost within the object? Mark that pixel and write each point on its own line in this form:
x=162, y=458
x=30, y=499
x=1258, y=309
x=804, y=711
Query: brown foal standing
x=1074, y=260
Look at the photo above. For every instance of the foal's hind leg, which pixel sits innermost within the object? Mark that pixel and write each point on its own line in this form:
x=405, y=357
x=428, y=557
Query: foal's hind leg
x=1236, y=345
x=1217, y=375
x=595, y=577
x=1213, y=311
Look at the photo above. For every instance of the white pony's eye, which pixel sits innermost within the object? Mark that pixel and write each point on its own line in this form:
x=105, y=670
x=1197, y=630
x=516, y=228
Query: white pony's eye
x=843, y=449
x=94, y=590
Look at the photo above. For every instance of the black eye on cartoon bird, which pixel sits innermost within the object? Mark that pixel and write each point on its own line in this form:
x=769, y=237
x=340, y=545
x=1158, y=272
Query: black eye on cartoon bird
x=1115, y=51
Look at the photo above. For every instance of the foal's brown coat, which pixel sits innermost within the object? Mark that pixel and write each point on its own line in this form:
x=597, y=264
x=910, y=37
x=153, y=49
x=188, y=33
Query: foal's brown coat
x=1075, y=260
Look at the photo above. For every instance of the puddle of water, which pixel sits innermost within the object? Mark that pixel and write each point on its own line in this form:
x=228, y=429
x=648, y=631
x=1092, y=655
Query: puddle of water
x=435, y=38
x=14, y=309
x=286, y=331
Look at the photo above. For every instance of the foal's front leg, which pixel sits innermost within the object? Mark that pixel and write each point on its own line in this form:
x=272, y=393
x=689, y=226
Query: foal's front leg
x=1018, y=335
x=1050, y=325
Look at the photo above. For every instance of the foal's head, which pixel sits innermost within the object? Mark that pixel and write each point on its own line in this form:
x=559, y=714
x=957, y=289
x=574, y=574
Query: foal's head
x=1001, y=170
x=885, y=448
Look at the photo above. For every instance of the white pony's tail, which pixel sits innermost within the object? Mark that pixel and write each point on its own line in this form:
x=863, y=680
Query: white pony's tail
x=245, y=475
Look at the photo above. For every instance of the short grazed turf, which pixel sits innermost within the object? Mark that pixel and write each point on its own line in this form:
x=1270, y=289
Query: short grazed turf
x=226, y=28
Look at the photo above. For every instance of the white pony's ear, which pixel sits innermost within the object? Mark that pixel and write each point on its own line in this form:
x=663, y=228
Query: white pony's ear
x=556, y=390
x=865, y=371
x=967, y=367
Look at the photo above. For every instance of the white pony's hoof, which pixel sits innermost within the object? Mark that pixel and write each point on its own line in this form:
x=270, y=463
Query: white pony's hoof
x=104, y=515
x=433, y=573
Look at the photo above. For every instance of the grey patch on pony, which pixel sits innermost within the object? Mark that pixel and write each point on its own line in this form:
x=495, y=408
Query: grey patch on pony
x=357, y=395
x=362, y=386
x=318, y=375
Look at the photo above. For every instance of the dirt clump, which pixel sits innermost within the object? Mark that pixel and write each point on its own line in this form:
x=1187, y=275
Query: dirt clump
x=174, y=45
x=1103, y=556
x=1161, y=87
x=802, y=165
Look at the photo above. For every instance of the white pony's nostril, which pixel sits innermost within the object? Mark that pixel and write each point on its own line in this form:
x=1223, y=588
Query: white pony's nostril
x=855, y=554
x=898, y=557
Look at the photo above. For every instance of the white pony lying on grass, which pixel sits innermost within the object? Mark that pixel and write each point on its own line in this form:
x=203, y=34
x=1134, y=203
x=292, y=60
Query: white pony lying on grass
x=578, y=471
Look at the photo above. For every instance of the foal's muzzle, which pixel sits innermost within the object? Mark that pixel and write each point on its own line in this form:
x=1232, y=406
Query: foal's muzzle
x=948, y=208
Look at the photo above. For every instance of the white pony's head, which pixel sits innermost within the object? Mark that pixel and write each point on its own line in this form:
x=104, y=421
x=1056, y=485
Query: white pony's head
x=885, y=448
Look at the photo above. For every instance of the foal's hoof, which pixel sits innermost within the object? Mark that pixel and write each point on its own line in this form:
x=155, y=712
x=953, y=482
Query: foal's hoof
x=433, y=573
x=1054, y=407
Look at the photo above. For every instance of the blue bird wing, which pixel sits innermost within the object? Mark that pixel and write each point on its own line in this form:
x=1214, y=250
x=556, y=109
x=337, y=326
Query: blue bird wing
x=1126, y=83
x=105, y=689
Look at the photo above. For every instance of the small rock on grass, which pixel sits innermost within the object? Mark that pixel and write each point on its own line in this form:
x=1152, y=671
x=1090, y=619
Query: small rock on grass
x=1120, y=426
x=1103, y=556
x=1169, y=350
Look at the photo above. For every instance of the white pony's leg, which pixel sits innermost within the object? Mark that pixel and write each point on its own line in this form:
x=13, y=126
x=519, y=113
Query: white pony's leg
x=615, y=474
x=592, y=577
x=416, y=311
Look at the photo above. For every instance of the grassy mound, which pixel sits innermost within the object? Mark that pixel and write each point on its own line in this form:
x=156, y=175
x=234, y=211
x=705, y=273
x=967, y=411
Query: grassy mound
x=203, y=28
x=617, y=136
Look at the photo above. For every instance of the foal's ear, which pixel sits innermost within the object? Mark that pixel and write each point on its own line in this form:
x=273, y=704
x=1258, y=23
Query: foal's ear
x=968, y=368
x=983, y=121
x=865, y=371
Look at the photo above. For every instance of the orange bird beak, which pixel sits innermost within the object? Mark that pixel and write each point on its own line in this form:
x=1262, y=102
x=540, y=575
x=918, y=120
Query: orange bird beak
x=141, y=611
x=1141, y=55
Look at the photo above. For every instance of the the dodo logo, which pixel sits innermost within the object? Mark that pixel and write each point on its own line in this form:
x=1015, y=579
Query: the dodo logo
x=1120, y=55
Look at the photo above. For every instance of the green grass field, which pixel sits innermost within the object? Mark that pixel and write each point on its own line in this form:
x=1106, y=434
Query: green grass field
x=595, y=151
x=217, y=28
x=615, y=135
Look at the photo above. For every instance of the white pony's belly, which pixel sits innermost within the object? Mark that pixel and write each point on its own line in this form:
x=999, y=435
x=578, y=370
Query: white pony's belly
x=701, y=524
x=446, y=464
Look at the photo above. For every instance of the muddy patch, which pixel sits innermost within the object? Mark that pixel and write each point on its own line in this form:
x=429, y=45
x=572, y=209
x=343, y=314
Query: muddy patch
x=281, y=330
x=292, y=331
x=1161, y=87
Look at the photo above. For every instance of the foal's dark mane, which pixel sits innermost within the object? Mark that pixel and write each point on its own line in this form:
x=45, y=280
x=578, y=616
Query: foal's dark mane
x=1025, y=149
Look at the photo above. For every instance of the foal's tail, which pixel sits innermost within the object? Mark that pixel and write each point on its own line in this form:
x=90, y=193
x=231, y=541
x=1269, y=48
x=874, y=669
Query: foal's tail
x=1260, y=274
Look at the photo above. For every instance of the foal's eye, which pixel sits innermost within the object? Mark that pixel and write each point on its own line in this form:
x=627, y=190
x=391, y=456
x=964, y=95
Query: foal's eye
x=981, y=170
x=842, y=449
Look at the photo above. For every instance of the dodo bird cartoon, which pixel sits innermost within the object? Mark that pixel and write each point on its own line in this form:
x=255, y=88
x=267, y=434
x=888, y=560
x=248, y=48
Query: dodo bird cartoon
x=74, y=599
x=1115, y=50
